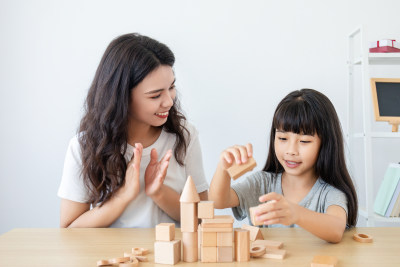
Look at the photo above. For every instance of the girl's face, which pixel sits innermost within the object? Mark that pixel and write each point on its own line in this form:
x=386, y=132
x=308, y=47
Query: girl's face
x=297, y=153
x=153, y=97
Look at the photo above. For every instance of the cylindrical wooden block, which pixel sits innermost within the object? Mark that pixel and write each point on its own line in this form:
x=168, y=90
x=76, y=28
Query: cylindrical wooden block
x=242, y=245
x=189, y=218
x=190, y=246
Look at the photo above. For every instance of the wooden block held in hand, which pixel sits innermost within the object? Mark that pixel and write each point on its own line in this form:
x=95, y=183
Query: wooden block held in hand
x=165, y=232
x=253, y=217
x=235, y=171
x=324, y=261
x=205, y=209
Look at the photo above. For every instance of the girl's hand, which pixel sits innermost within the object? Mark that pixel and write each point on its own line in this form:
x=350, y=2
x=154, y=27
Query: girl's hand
x=237, y=153
x=131, y=188
x=155, y=172
x=276, y=210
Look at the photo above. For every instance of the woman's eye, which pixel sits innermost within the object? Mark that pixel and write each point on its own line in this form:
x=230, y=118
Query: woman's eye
x=155, y=97
x=172, y=87
x=306, y=142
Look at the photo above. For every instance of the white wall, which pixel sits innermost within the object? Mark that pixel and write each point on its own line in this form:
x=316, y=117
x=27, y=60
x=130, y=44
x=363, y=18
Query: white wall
x=235, y=61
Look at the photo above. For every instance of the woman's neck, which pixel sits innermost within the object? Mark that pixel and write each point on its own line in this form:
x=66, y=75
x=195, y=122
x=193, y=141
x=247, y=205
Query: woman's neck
x=144, y=134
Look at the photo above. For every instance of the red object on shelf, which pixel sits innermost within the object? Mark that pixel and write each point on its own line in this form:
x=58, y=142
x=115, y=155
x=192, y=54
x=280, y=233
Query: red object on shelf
x=384, y=49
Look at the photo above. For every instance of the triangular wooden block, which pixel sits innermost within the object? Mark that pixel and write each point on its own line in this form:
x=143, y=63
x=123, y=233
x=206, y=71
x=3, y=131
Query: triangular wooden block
x=255, y=232
x=189, y=193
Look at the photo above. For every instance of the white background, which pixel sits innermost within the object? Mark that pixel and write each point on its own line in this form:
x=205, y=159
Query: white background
x=235, y=60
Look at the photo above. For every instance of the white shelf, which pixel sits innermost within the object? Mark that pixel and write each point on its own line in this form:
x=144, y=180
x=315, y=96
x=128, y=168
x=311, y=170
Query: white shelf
x=384, y=58
x=378, y=218
x=378, y=135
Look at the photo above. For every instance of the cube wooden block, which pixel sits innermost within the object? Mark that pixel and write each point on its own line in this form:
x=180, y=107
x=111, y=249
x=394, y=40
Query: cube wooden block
x=205, y=209
x=324, y=261
x=242, y=245
x=255, y=232
x=189, y=218
x=165, y=232
x=225, y=254
x=190, y=246
x=224, y=239
x=208, y=239
x=208, y=254
x=235, y=171
x=253, y=219
x=167, y=252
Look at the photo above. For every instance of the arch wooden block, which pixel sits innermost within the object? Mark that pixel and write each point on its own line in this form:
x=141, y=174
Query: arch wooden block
x=242, y=245
x=235, y=171
x=167, y=252
x=165, y=231
x=189, y=245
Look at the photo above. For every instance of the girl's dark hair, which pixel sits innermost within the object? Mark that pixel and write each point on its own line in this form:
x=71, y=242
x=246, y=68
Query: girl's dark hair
x=103, y=140
x=308, y=111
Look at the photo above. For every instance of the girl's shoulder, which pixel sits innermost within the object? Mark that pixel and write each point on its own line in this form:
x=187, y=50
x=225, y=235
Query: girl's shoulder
x=328, y=188
x=263, y=177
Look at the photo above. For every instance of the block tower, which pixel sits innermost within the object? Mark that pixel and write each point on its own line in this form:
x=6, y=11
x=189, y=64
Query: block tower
x=189, y=199
x=167, y=250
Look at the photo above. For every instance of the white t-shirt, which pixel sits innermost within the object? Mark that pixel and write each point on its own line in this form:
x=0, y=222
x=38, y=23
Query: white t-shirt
x=142, y=212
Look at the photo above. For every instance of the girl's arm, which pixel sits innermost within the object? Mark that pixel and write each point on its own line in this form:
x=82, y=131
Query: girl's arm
x=220, y=189
x=75, y=214
x=329, y=226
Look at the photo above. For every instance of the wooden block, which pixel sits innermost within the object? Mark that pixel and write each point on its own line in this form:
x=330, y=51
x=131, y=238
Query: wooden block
x=253, y=217
x=132, y=263
x=205, y=210
x=255, y=232
x=219, y=219
x=242, y=245
x=208, y=254
x=217, y=229
x=189, y=219
x=235, y=171
x=363, y=238
x=167, y=252
x=199, y=242
x=257, y=251
x=217, y=225
x=324, y=261
x=225, y=254
x=119, y=260
x=224, y=239
x=165, y=232
x=268, y=244
x=189, y=192
x=209, y=239
x=274, y=254
x=189, y=245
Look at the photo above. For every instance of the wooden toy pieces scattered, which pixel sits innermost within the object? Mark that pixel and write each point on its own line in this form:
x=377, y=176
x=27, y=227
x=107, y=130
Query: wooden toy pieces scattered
x=235, y=171
x=129, y=259
x=324, y=261
x=363, y=238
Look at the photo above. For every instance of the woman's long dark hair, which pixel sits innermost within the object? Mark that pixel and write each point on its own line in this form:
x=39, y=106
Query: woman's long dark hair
x=103, y=129
x=308, y=111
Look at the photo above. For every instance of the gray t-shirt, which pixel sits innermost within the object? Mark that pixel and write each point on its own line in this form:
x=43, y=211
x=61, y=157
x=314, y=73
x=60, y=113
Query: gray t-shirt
x=320, y=197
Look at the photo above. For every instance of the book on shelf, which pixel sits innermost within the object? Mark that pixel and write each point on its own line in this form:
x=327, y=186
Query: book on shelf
x=393, y=201
x=396, y=208
x=387, y=189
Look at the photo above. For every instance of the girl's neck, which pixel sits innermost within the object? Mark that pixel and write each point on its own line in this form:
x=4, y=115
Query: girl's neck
x=302, y=181
x=144, y=134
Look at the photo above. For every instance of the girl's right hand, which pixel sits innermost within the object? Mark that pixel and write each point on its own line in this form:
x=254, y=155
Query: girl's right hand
x=131, y=188
x=236, y=154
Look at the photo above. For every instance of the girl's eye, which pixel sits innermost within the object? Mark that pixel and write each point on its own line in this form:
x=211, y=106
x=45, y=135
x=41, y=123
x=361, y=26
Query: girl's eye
x=155, y=97
x=282, y=138
x=306, y=142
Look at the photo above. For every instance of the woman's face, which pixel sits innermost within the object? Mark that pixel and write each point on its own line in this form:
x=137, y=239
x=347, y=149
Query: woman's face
x=153, y=97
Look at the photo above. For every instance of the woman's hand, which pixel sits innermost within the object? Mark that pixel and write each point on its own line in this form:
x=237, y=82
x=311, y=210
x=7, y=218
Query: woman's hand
x=276, y=210
x=155, y=173
x=131, y=188
x=237, y=153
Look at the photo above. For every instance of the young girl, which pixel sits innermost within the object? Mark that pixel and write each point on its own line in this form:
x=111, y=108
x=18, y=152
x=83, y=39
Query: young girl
x=131, y=117
x=305, y=180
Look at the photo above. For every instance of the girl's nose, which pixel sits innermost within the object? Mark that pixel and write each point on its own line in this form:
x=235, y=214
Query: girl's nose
x=292, y=149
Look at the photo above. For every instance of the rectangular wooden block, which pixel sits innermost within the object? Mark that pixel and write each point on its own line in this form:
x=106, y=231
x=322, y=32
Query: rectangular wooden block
x=189, y=219
x=208, y=239
x=205, y=209
x=224, y=239
x=218, y=230
x=235, y=171
x=242, y=245
x=274, y=254
x=255, y=232
x=199, y=241
x=167, y=252
x=253, y=217
x=165, y=232
x=217, y=225
x=225, y=254
x=208, y=254
x=189, y=245
x=324, y=261
x=219, y=219
x=268, y=244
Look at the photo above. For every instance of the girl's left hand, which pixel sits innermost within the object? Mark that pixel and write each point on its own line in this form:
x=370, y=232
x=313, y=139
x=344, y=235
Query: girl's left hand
x=155, y=172
x=276, y=210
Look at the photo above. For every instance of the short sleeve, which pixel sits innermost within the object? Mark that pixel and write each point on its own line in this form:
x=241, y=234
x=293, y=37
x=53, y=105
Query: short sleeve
x=336, y=197
x=194, y=161
x=72, y=186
